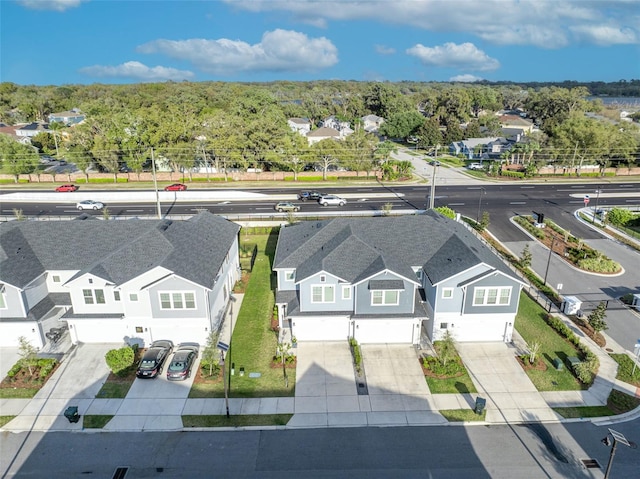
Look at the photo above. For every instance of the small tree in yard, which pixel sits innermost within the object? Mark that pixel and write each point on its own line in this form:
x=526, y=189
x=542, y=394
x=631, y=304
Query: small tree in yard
x=210, y=353
x=119, y=360
x=525, y=257
x=27, y=352
x=484, y=221
x=534, y=349
x=597, y=318
x=447, y=350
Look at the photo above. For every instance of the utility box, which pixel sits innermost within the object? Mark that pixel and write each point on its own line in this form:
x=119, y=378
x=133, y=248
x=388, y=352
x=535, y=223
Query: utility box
x=571, y=305
x=557, y=363
x=636, y=301
x=480, y=405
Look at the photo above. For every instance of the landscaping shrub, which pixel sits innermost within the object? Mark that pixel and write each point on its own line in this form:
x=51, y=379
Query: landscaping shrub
x=15, y=369
x=119, y=360
x=46, y=365
x=198, y=179
x=433, y=364
x=357, y=354
x=528, y=225
x=512, y=174
x=101, y=180
x=601, y=264
x=311, y=178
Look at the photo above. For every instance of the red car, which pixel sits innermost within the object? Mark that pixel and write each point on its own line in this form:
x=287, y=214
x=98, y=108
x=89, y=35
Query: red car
x=176, y=187
x=67, y=188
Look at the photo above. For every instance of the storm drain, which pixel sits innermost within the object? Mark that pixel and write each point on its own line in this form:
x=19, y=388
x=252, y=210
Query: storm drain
x=120, y=473
x=590, y=463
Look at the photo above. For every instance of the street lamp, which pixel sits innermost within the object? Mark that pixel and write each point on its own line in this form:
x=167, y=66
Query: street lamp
x=432, y=197
x=595, y=212
x=553, y=242
x=607, y=441
x=482, y=192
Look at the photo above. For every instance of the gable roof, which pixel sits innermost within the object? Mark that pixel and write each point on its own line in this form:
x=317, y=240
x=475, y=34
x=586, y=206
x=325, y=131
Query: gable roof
x=116, y=250
x=355, y=249
x=324, y=131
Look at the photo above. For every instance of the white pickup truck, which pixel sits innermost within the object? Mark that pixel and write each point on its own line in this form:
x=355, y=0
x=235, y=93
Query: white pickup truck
x=475, y=166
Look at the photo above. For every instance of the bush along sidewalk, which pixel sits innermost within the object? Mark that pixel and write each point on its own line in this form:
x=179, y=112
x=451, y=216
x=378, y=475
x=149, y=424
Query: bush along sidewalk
x=358, y=368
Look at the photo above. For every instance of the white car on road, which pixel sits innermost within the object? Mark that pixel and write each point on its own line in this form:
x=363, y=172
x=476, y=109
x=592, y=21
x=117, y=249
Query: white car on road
x=332, y=200
x=89, y=205
x=476, y=166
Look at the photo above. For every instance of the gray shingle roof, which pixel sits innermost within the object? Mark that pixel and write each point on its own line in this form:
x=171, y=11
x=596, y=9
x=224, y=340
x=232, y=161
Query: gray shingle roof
x=116, y=250
x=357, y=248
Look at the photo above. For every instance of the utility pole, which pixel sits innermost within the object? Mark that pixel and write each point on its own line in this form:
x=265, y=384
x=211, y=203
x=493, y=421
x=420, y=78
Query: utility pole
x=155, y=183
x=432, y=196
x=553, y=242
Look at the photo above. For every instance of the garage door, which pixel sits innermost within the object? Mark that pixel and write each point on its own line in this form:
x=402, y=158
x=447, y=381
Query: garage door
x=479, y=330
x=98, y=331
x=321, y=329
x=180, y=334
x=386, y=331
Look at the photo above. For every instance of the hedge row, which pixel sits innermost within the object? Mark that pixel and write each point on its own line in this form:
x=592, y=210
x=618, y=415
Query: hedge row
x=512, y=174
x=101, y=180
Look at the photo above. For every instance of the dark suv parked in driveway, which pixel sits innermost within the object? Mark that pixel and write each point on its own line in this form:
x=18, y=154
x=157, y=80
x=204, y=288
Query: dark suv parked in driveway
x=154, y=357
x=310, y=195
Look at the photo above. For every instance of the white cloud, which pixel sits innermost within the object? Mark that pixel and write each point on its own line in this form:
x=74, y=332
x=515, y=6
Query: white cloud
x=138, y=71
x=279, y=50
x=450, y=55
x=384, y=50
x=604, y=35
x=466, y=78
x=57, y=5
x=543, y=23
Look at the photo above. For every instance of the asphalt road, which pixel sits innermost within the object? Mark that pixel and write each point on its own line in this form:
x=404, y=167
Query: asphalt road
x=519, y=451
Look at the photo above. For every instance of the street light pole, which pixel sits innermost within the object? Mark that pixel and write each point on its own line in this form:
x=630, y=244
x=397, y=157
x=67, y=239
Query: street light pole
x=155, y=184
x=432, y=196
x=617, y=437
x=595, y=211
x=226, y=389
x=553, y=242
x=482, y=192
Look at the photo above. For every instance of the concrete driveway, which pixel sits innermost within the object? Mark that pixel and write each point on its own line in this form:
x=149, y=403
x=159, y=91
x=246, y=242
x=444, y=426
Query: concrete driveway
x=395, y=379
x=498, y=377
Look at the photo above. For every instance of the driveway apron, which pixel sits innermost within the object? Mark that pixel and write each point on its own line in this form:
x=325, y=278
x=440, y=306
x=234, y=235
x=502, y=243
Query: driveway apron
x=499, y=379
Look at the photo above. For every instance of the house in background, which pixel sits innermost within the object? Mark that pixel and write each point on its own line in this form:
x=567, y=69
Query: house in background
x=322, y=133
x=299, y=125
x=516, y=121
x=355, y=278
x=31, y=129
x=114, y=281
x=371, y=123
x=472, y=147
x=71, y=117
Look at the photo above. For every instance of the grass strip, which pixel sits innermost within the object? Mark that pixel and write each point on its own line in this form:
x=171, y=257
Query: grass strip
x=95, y=421
x=5, y=419
x=236, y=421
x=462, y=415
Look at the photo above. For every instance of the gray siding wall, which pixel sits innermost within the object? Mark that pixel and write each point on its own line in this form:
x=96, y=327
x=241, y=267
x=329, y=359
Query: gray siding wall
x=175, y=285
x=36, y=291
x=338, y=304
x=493, y=281
x=283, y=283
x=405, y=298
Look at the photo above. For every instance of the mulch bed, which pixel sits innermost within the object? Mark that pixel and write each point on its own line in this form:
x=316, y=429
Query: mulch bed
x=428, y=372
x=539, y=364
x=588, y=330
x=203, y=377
x=23, y=380
x=278, y=364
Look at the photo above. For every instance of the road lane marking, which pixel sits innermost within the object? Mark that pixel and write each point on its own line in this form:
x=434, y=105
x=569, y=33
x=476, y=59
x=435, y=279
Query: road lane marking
x=456, y=204
x=517, y=202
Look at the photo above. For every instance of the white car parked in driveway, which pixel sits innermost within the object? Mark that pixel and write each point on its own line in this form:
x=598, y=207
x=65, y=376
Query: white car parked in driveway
x=89, y=205
x=332, y=200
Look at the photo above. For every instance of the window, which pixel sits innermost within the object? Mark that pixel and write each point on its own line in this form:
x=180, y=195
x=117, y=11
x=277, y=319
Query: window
x=346, y=292
x=443, y=325
x=93, y=296
x=116, y=295
x=491, y=296
x=138, y=329
x=289, y=275
x=90, y=281
x=384, y=298
x=323, y=278
x=447, y=293
x=322, y=294
x=177, y=300
x=419, y=274
x=133, y=297
x=55, y=278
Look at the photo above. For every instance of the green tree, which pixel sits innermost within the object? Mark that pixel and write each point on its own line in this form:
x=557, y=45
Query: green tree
x=619, y=216
x=27, y=353
x=17, y=159
x=446, y=211
x=597, y=317
x=210, y=352
x=402, y=124
x=429, y=133
x=120, y=360
x=447, y=351
x=526, y=257
x=327, y=152
x=484, y=221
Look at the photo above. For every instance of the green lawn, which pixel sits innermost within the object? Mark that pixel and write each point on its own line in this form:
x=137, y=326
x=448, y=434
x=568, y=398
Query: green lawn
x=237, y=421
x=114, y=390
x=617, y=403
x=97, y=421
x=458, y=385
x=5, y=419
x=532, y=327
x=253, y=344
x=18, y=393
x=462, y=415
x=625, y=369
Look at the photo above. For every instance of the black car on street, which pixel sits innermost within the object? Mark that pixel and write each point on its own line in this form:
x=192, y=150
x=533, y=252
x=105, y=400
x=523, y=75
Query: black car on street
x=310, y=195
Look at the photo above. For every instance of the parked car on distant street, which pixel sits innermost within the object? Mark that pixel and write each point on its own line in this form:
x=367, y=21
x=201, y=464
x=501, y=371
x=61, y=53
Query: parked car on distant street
x=286, y=206
x=332, y=200
x=434, y=163
x=67, y=188
x=176, y=187
x=180, y=366
x=475, y=166
x=153, y=359
x=89, y=205
x=310, y=195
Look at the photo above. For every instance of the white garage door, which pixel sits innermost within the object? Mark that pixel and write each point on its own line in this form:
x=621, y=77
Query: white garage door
x=180, y=334
x=321, y=329
x=479, y=330
x=98, y=331
x=386, y=331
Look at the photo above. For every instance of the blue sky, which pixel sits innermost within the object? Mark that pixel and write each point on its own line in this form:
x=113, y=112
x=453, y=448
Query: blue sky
x=54, y=42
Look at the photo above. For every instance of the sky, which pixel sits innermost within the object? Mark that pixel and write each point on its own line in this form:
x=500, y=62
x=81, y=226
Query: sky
x=56, y=42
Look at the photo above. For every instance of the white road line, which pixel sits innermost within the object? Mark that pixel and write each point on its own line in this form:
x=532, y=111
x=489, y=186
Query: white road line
x=527, y=187
x=517, y=202
x=134, y=211
x=456, y=204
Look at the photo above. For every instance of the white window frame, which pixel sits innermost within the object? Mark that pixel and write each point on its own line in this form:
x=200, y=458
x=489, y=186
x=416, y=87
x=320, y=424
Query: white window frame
x=289, y=275
x=177, y=300
x=419, y=273
x=323, y=288
x=445, y=291
x=55, y=278
x=92, y=297
x=381, y=293
x=3, y=301
x=116, y=295
x=346, y=292
x=133, y=297
x=486, y=295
